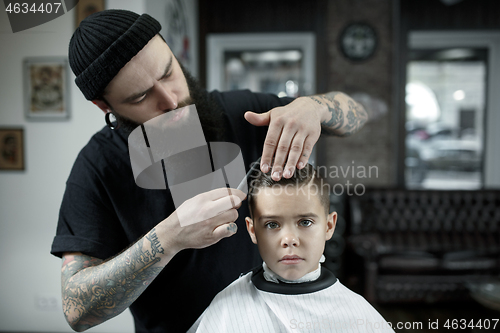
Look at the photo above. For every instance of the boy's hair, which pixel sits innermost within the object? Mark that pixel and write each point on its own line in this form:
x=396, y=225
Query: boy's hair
x=303, y=177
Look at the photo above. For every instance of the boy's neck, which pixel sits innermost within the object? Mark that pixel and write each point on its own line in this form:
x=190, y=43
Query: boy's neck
x=271, y=276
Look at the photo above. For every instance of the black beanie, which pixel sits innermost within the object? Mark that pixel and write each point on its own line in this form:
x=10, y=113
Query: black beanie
x=104, y=43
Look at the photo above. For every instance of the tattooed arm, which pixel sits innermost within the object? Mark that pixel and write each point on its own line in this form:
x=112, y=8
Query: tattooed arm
x=94, y=290
x=344, y=116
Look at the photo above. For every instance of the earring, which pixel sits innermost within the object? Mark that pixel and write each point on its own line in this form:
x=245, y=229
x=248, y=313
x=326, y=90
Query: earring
x=108, y=121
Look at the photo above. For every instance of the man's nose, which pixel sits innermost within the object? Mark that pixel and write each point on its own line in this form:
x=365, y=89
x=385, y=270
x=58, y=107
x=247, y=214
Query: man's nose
x=167, y=100
x=289, y=239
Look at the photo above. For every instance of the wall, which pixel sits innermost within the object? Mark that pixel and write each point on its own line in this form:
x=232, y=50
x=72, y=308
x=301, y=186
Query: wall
x=371, y=147
x=435, y=15
x=30, y=199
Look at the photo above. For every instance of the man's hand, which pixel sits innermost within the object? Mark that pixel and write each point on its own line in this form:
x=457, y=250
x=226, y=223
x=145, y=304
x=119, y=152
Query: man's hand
x=295, y=128
x=204, y=219
x=293, y=131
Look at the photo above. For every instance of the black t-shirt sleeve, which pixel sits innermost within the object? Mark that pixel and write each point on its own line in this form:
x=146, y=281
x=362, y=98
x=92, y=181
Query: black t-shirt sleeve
x=84, y=225
x=237, y=102
x=87, y=220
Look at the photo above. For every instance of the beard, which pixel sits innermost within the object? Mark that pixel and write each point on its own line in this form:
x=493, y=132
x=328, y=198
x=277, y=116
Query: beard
x=212, y=118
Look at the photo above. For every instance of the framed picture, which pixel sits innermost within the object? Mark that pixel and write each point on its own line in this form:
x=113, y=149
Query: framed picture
x=46, y=88
x=179, y=28
x=11, y=149
x=86, y=8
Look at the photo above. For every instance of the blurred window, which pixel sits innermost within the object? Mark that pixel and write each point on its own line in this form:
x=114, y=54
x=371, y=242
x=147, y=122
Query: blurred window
x=274, y=71
x=279, y=63
x=445, y=110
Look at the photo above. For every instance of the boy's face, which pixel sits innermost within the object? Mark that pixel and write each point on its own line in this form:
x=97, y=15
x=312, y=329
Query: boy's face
x=290, y=227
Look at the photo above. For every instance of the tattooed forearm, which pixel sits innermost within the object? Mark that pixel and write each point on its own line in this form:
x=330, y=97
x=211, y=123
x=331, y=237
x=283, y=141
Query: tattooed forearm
x=155, y=244
x=345, y=116
x=94, y=291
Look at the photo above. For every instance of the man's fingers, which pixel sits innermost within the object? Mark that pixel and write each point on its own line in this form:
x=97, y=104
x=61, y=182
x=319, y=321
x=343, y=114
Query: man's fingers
x=295, y=153
x=222, y=192
x=282, y=152
x=225, y=230
x=225, y=225
x=208, y=231
x=270, y=145
x=257, y=119
x=221, y=205
x=209, y=204
x=291, y=136
x=306, y=152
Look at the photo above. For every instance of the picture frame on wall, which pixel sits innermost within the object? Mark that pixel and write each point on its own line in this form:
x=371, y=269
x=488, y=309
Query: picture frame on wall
x=86, y=8
x=46, y=88
x=11, y=149
x=179, y=28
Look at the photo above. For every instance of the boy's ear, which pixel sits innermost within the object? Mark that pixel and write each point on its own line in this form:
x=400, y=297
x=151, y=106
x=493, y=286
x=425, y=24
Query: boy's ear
x=102, y=105
x=251, y=229
x=331, y=222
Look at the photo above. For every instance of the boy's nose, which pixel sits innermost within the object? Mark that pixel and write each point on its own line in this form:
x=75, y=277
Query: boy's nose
x=290, y=239
x=167, y=100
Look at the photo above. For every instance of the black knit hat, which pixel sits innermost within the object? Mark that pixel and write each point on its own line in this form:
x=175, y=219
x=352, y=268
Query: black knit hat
x=104, y=43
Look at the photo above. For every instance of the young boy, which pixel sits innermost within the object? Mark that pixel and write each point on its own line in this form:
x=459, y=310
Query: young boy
x=290, y=223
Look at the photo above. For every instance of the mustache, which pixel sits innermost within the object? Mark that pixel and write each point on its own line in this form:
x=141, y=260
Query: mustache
x=186, y=102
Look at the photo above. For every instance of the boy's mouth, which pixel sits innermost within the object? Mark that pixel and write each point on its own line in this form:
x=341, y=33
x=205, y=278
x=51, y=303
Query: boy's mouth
x=290, y=260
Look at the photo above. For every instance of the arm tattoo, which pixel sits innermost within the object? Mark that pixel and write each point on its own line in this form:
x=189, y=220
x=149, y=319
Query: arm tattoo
x=341, y=123
x=95, y=291
x=155, y=244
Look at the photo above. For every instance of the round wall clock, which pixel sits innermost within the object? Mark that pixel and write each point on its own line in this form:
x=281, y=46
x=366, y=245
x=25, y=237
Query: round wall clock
x=358, y=41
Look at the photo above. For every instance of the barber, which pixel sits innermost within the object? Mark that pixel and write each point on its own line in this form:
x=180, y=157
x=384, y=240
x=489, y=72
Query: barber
x=122, y=246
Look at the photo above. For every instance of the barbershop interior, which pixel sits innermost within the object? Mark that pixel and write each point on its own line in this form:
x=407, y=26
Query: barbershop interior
x=416, y=189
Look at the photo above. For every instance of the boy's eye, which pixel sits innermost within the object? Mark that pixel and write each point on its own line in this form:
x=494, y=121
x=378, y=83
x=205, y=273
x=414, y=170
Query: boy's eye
x=305, y=223
x=271, y=225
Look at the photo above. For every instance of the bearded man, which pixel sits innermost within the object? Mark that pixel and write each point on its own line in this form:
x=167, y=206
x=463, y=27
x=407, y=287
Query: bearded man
x=123, y=246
